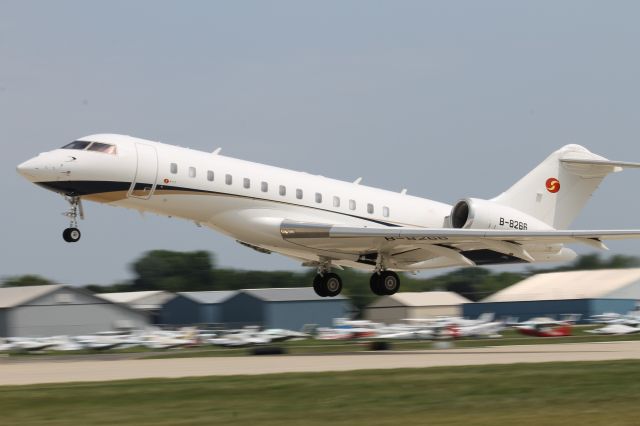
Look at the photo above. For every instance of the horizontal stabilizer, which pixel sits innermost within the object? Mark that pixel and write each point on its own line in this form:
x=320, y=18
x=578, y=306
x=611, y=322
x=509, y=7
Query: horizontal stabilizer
x=623, y=164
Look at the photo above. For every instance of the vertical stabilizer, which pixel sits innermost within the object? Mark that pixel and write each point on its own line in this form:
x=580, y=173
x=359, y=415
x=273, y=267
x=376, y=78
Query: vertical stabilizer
x=559, y=187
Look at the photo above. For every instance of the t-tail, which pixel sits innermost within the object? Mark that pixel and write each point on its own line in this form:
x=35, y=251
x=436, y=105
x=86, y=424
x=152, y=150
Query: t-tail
x=559, y=187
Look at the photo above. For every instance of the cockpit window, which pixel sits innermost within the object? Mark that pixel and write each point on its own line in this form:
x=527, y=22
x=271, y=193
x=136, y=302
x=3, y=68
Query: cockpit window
x=92, y=146
x=77, y=145
x=102, y=147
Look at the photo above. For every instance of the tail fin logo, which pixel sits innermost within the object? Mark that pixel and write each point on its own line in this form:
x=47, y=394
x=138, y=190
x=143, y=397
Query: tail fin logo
x=553, y=185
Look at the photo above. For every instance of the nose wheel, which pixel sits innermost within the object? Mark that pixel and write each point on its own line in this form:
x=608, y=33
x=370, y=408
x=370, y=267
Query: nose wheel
x=72, y=233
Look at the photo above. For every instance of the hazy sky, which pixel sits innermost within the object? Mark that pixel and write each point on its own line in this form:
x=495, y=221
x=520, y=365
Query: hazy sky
x=450, y=99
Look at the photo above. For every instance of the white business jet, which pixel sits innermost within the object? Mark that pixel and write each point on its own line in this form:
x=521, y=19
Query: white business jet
x=331, y=224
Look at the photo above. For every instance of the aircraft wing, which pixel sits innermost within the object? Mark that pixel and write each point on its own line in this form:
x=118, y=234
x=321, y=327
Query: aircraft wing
x=440, y=242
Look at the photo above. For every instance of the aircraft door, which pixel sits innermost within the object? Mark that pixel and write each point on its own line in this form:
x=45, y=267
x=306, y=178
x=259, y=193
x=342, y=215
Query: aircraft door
x=144, y=182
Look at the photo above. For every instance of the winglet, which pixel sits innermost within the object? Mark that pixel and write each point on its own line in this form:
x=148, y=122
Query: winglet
x=217, y=151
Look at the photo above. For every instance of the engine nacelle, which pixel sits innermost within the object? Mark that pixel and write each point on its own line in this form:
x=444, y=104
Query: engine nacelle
x=474, y=213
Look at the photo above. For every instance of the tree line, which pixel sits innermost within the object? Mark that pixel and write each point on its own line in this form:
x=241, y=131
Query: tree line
x=196, y=271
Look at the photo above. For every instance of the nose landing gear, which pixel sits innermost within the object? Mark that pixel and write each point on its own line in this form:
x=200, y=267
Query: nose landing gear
x=72, y=233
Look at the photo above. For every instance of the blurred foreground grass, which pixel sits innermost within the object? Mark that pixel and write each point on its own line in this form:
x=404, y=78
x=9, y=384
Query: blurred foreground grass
x=584, y=393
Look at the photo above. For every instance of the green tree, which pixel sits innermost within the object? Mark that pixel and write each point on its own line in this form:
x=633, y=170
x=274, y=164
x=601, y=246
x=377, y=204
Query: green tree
x=173, y=271
x=25, y=280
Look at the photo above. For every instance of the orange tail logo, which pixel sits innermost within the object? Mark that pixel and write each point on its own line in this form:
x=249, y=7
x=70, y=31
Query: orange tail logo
x=553, y=185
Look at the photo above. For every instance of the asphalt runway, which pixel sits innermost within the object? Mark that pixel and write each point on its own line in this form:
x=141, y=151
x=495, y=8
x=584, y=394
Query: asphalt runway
x=47, y=371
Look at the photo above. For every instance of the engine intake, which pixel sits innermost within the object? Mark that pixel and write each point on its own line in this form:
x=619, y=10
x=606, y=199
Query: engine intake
x=474, y=213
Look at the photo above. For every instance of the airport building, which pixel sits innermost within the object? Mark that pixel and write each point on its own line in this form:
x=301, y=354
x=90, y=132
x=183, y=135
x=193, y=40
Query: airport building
x=411, y=305
x=289, y=308
x=150, y=302
x=50, y=310
x=555, y=294
x=195, y=307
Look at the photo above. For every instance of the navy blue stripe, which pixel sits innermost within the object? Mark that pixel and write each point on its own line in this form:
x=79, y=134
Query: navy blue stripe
x=86, y=187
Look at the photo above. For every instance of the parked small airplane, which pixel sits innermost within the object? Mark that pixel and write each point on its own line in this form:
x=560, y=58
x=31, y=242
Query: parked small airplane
x=544, y=327
x=326, y=223
x=615, y=328
x=632, y=318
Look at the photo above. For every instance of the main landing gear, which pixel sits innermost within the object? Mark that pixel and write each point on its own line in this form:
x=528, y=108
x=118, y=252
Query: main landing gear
x=72, y=233
x=328, y=284
x=384, y=283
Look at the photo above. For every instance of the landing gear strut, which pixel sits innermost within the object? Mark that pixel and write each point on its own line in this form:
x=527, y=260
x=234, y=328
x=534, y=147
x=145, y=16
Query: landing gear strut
x=384, y=283
x=72, y=233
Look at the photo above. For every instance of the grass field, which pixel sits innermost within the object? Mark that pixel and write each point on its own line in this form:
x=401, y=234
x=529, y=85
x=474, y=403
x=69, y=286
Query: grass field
x=586, y=393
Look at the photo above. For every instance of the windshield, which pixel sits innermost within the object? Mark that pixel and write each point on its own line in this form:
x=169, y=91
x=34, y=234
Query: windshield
x=102, y=147
x=77, y=145
x=92, y=146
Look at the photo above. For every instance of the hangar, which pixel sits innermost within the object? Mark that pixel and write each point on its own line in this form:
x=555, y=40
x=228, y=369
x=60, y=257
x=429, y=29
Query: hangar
x=195, y=307
x=147, y=301
x=554, y=294
x=49, y=310
x=289, y=308
x=404, y=305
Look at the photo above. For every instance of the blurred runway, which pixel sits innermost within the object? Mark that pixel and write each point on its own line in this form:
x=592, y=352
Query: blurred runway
x=47, y=371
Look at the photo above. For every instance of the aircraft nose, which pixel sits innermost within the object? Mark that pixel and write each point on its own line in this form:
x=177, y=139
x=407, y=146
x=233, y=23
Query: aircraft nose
x=29, y=169
x=39, y=169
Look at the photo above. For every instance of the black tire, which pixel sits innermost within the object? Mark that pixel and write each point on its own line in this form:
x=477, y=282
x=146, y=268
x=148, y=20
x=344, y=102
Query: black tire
x=318, y=286
x=375, y=283
x=71, y=235
x=332, y=284
x=389, y=283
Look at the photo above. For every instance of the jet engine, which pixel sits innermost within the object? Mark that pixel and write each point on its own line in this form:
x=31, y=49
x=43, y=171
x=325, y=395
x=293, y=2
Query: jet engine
x=475, y=213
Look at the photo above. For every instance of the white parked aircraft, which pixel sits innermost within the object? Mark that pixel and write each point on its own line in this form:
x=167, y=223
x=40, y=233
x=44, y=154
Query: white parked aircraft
x=328, y=223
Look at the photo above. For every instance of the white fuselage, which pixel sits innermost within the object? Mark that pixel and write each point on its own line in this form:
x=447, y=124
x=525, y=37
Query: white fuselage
x=241, y=199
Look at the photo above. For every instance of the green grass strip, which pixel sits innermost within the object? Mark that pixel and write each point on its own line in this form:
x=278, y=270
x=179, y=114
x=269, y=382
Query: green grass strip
x=580, y=393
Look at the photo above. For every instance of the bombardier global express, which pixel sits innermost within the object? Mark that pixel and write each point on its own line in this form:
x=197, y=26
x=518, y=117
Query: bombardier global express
x=327, y=223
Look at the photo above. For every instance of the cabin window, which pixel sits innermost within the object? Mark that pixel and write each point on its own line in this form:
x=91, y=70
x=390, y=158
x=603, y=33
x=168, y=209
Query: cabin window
x=318, y=197
x=246, y=183
x=228, y=179
x=264, y=186
x=192, y=172
x=336, y=201
x=299, y=194
x=352, y=204
x=385, y=211
x=370, y=208
x=173, y=168
x=282, y=190
x=210, y=175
